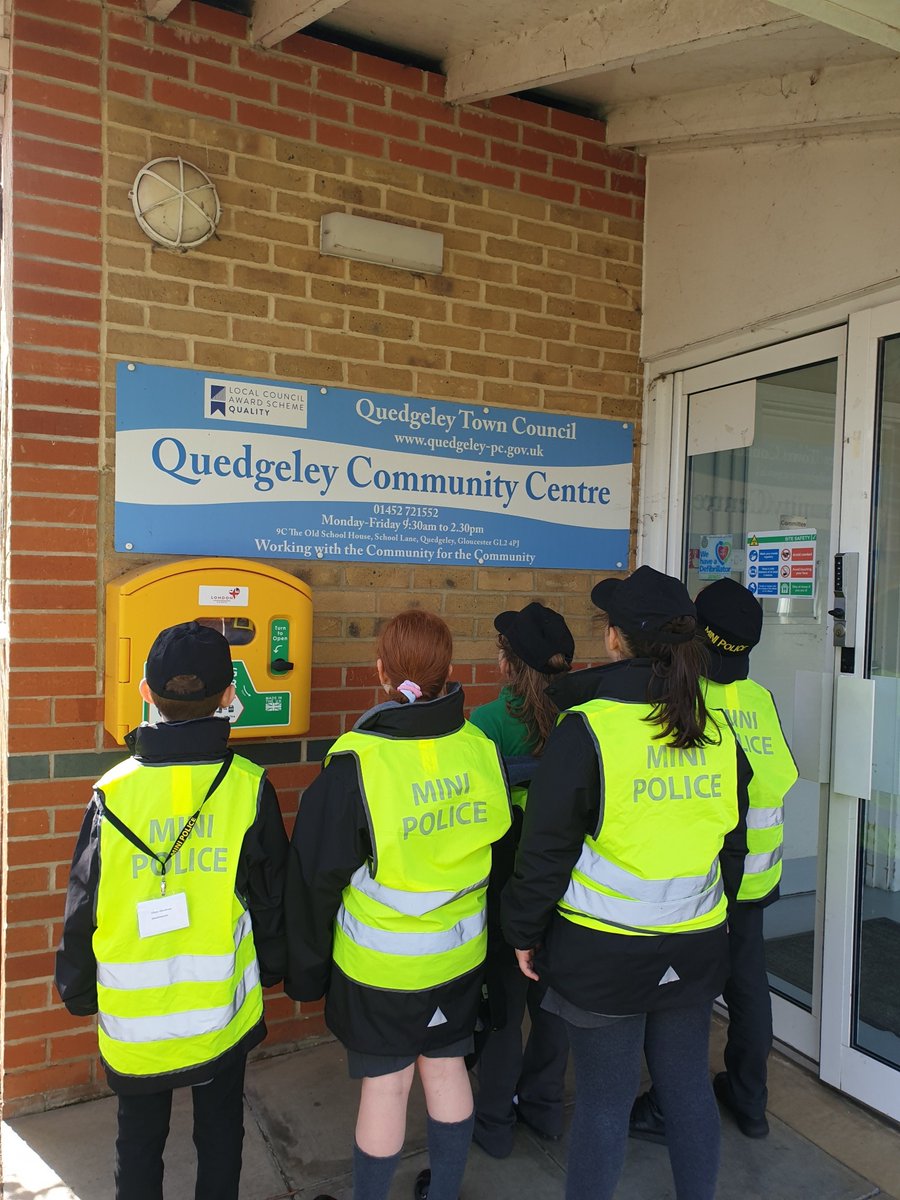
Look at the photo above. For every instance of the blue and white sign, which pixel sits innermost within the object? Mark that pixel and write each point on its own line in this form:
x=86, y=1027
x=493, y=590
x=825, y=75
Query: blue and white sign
x=261, y=469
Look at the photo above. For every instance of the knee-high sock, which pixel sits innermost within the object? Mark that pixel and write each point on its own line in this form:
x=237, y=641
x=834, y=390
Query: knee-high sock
x=448, y=1149
x=372, y=1175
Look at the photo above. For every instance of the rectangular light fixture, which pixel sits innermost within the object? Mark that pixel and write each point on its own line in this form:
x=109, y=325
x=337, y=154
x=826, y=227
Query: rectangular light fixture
x=360, y=238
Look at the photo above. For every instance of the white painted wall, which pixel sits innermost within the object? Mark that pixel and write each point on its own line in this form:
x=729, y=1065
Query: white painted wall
x=743, y=236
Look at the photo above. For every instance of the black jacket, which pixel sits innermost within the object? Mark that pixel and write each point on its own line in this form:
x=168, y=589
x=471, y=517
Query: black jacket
x=331, y=840
x=598, y=971
x=260, y=880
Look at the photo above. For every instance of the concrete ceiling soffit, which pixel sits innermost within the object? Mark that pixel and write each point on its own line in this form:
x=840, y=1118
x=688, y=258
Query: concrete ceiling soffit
x=275, y=20
x=158, y=10
x=616, y=34
x=860, y=98
x=875, y=20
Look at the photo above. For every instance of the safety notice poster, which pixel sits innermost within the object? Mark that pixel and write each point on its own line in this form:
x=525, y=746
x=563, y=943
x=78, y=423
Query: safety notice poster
x=782, y=562
x=256, y=468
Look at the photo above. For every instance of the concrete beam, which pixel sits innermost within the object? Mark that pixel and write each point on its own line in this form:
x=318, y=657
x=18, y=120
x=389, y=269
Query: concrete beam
x=621, y=33
x=858, y=98
x=875, y=20
x=158, y=10
x=275, y=20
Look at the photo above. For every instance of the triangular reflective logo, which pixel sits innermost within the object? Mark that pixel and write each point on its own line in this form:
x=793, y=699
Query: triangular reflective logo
x=439, y=1019
x=671, y=976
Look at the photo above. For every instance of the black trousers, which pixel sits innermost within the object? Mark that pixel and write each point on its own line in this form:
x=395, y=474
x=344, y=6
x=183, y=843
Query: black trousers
x=218, y=1136
x=537, y=1076
x=749, y=1010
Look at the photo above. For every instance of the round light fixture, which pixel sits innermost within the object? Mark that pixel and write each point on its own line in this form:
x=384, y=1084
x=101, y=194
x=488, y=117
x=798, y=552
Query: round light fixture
x=175, y=203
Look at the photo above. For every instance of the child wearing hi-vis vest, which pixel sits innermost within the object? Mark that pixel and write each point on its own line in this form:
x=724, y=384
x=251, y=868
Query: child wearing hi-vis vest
x=174, y=920
x=534, y=647
x=386, y=902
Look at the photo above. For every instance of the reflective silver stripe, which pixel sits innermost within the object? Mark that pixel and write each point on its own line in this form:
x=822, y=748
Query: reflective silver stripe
x=411, y=944
x=192, y=1023
x=765, y=818
x=411, y=904
x=755, y=864
x=601, y=871
x=638, y=914
x=182, y=968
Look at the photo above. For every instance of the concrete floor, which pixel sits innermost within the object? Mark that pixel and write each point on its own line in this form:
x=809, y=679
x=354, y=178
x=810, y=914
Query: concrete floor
x=300, y=1110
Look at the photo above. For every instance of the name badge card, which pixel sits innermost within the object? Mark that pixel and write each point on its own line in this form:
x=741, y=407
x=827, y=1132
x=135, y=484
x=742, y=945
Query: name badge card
x=163, y=915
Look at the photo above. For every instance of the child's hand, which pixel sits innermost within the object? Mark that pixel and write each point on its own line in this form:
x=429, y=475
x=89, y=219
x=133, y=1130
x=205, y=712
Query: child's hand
x=526, y=963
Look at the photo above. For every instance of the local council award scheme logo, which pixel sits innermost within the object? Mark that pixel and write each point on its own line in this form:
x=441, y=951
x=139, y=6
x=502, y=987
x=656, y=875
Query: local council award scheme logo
x=254, y=403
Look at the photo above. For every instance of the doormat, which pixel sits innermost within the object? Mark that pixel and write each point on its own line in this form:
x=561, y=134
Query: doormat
x=791, y=959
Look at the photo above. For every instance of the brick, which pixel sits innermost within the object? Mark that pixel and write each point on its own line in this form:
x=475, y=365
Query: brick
x=73, y=160
x=218, y=21
x=302, y=100
x=126, y=83
x=44, y=93
x=48, y=538
x=32, y=60
x=194, y=100
x=216, y=78
x=584, y=127
x=273, y=66
x=46, y=364
x=489, y=125
x=31, y=242
x=29, y=181
x=187, y=41
x=30, y=712
x=471, y=168
x=66, y=394
x=65, y=130
x=48, y=334
x=63, y=276
x=421, y=106
x=519, y=156
x=627, y=183
x=64, y=218
x=24, y=1054
x=147, y=60
x=352, y=87
x=46, y=1079
x=52, y=34
x=579, y=172
x=319, y=51
x=605, y=202
x=289, y=124
x=349, y=139
x=539, y=185
x=387, y=123
x=59, y=737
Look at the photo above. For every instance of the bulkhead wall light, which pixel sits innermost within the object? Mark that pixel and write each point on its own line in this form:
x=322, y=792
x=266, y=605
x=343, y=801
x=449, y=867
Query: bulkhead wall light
x=175, y=203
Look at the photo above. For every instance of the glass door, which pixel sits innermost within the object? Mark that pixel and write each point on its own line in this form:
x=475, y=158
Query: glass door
x=861, y=998
x=763, y=452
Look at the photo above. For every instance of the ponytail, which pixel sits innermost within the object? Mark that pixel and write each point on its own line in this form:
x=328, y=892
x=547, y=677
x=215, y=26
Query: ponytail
x=415, y=648
x=529, y=701
x=675, y=691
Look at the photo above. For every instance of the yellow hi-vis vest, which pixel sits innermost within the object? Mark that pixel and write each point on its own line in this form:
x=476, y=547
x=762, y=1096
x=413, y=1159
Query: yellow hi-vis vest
x=754, y=719
x=652, y=864
x=178, y=999
x=414, y=916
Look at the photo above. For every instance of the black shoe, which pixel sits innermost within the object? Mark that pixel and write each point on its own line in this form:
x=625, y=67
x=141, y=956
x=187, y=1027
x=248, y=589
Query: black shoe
x=647, y=1121
x=751, y=1127
x=544, y=1134
x=422, y=1184
x=325, y=1196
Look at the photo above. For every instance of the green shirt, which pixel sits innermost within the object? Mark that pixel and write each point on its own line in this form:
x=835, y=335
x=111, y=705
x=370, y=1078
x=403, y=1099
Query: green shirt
x=508, y=733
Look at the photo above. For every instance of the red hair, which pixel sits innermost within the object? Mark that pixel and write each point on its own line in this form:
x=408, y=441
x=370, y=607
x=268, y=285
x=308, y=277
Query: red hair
x=416, y=645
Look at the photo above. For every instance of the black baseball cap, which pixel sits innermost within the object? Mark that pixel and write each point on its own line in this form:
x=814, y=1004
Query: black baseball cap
x=644, y=602
x=536, y=634
x=730, y=617
x=190, y=649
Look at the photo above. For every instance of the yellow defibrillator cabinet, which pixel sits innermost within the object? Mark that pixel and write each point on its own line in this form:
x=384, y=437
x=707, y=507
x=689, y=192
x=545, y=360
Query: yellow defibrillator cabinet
x=265, y=614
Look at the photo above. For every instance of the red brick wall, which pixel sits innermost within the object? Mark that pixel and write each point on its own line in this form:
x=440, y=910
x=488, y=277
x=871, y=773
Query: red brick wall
x=538, y=307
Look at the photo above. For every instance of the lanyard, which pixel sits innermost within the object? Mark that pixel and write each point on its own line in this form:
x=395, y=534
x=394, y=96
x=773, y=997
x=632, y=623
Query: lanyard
x=186, y=832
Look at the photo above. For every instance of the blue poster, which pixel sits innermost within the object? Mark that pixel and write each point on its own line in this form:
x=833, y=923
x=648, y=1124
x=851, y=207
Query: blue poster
x=256, y=468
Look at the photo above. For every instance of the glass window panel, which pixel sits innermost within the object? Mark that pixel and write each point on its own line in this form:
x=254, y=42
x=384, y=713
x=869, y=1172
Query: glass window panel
x=877, y=1027
x=783, y=479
